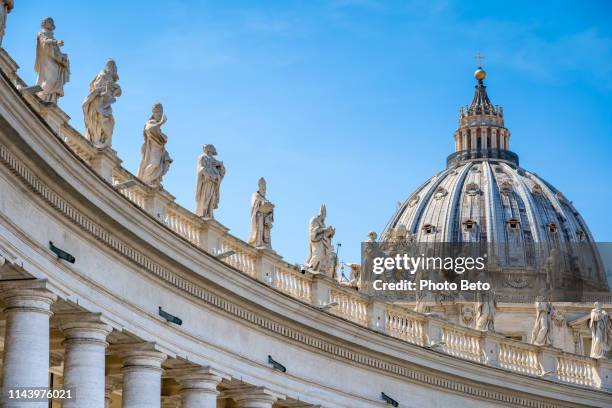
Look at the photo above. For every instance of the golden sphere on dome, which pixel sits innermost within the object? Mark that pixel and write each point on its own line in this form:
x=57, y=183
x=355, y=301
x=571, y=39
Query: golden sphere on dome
x=480, y=74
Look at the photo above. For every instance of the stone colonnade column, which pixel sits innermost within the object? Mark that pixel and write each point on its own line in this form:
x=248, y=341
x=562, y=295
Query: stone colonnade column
x=84, y=362
x=141, y=375
x=26, y=342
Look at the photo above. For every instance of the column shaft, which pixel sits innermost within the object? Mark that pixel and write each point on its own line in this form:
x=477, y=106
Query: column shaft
x=142, y=379
x=84, y=363
x=26, y=343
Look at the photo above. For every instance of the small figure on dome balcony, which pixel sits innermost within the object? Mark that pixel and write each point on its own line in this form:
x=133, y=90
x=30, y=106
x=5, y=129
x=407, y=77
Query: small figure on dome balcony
x=541, y=333
x=262, y=217
x=52, y=65
x=486, y=306
x=601, y=332
x=210, y=174
x=323, y=258
x=97, y=106
x=155, y=160
x=5, y=7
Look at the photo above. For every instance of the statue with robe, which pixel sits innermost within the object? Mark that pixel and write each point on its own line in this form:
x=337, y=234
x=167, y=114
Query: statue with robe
x=97, y=106
x=262, y=217
x=601, y=332
x=486, y=306
x=52, y=65
x=322, y=257
x=210, y=174
x=541, y=333
x=5, y=8
x=155, y=160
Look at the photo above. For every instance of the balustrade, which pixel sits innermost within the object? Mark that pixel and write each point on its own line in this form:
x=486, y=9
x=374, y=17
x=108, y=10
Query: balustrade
x=349, y=306
x=575, y=369
x=292, y=282
x=519, y=357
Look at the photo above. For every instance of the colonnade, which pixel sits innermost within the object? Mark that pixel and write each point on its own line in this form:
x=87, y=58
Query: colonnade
x=25, y=365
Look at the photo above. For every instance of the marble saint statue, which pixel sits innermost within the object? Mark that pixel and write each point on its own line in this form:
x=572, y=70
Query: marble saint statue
x=601, y=332
x=262, y=217
x=210, y=174
x=52, y=65
x=155, y=160
x=486, y=306
x=97, y=106
x=541, y=333
x=5, y=7
x=322, y=257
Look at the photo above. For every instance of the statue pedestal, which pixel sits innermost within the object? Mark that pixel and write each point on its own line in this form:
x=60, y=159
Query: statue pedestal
x=156, y=202
x=211, y=235
x=604, y=371
x=104, y=162
x=56, y=118
x=265, y=265
x=377, y=316
x=321, y=289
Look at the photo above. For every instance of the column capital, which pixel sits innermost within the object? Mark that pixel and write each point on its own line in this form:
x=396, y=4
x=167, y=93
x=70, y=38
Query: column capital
x=253, y=397
x=139, y=356
x=83, y=327
x=30, y=295
x=198, y=379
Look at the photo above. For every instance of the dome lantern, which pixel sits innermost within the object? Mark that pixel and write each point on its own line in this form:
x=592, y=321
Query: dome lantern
x=481, y=132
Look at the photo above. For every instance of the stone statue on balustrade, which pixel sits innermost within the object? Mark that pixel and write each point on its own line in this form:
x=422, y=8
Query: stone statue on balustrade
x=52, y=65
x=5, y=8
x=541, y=333
x=486, y=306
x=601, y=332
x=210, y=174
x=322, y=257
x=262, y=217
x=97, y=106
x=155, y=160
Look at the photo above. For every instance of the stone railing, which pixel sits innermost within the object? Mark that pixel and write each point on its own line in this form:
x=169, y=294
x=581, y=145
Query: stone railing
x=320, y=291
x=348, y=305
x=243, y=256
x=406, y=325
x=578, y=370
x=290, y=280
x=462, y=342
x=519, y=357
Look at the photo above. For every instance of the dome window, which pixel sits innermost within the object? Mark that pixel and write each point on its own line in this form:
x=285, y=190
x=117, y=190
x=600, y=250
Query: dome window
x=560, y=197
x=440, y=193
x=581, y=235
x=472, y=189
x=552, y=228
x=429, y=229
x=536, y=189
x=413, y=200
x=469, y=225
x=506, y=187
x=513, y=224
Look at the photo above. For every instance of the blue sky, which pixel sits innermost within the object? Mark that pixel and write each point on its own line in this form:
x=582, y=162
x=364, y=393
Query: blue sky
x=348, y=102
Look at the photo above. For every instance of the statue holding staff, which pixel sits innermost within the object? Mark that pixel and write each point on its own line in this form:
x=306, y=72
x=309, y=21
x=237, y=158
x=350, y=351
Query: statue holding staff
x=52, y=65
x=322, y=257
x=262, y=217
